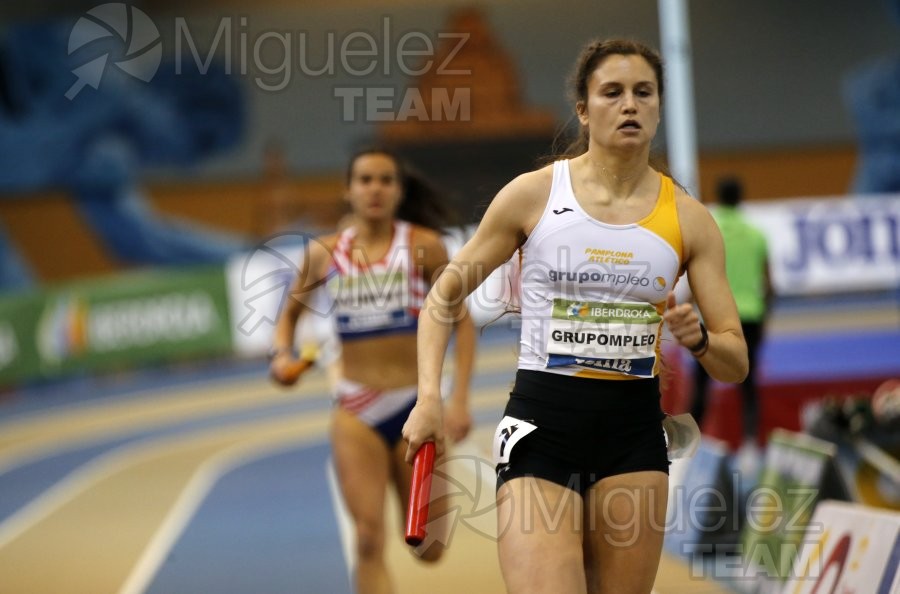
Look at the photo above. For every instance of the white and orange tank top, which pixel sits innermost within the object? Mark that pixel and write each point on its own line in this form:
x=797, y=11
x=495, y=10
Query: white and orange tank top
x=378, y=298
x=593, y=294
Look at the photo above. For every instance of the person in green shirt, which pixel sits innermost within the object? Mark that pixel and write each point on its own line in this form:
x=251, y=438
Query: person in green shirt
x=747, y=267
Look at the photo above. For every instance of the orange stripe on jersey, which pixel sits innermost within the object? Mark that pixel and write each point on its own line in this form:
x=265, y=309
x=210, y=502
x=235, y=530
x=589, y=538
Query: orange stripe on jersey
x=663, y=221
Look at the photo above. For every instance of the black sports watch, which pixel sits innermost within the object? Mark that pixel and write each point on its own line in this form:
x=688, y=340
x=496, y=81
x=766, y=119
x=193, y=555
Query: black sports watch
x=700, y=348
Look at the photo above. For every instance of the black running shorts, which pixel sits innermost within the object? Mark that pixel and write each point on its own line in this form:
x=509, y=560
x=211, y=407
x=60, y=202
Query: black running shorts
x=587, y=429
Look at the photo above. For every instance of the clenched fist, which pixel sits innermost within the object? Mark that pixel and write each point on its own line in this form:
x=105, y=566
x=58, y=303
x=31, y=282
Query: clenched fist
x=684, y=324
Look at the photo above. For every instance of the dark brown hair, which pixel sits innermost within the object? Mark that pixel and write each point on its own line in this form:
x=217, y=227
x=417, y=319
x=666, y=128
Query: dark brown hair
x=422, y=203
x=592, y=55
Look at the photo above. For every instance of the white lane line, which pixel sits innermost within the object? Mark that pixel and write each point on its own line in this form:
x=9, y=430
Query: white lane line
x=29, y=437
x=85, y=477
x=69, y=487
x=189, y=501
x=342, y=517
x=27, y=440
x=119, y=460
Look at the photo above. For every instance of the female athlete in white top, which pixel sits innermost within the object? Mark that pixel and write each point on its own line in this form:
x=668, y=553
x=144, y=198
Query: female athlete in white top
x=581, y=457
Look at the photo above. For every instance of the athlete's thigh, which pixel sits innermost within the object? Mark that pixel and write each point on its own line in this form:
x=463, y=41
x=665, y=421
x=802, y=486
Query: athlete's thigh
x=540, y=537
x=401, y=473
x=624, y=525
x=363, y=466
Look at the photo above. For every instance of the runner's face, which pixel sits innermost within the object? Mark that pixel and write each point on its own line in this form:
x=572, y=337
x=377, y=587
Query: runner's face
x=374, y=191
x=622, y=107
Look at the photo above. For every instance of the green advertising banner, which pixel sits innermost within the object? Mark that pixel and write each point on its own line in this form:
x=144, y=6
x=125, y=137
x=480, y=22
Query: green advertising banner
x=18, y=354
x=799, y=471
x=118, y=322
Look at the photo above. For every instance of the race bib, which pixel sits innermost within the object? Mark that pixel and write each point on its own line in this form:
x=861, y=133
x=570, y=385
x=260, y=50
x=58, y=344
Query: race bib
x=619, y=337
x=371, y=301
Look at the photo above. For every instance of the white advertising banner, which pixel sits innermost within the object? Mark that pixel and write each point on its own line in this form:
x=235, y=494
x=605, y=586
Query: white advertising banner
x=847, y=548
x=258, y=283
x=831, y=244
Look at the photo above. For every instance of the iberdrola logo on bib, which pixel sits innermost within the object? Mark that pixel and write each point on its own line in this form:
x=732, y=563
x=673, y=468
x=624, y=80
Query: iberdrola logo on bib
x=605, y=313
x=578, y=310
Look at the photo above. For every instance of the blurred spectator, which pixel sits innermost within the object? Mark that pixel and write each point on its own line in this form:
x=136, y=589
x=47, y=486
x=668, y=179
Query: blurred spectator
x=747, y=267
